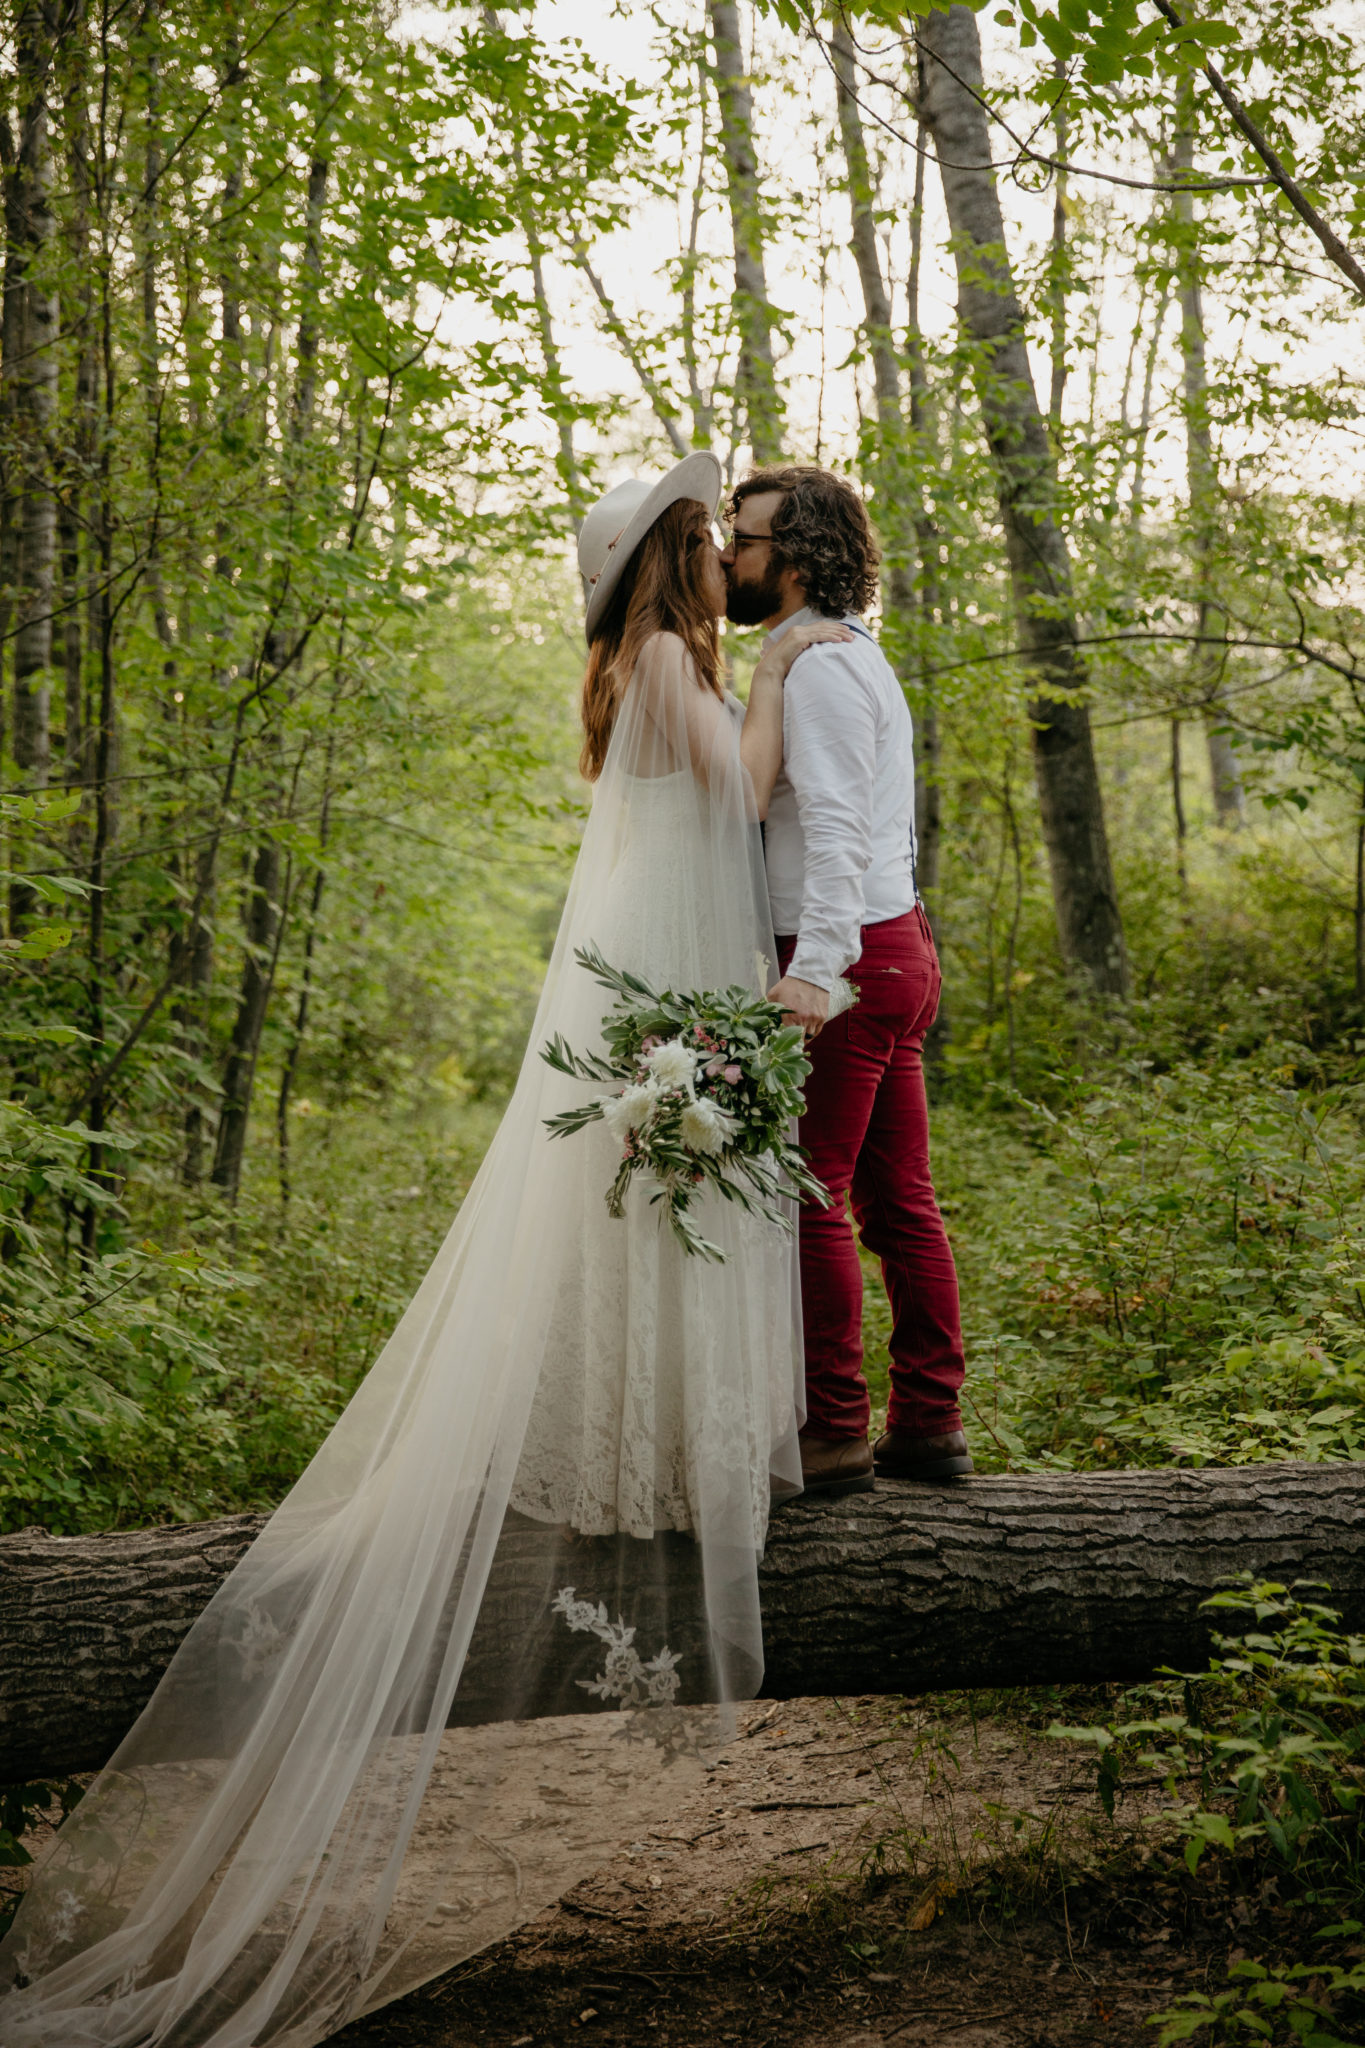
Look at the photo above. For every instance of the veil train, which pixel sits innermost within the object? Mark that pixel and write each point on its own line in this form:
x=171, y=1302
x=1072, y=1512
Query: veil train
x=495, y=1628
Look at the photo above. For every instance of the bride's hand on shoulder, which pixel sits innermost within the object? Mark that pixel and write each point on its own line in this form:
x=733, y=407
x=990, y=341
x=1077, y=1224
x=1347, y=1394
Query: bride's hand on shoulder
x=777, y=660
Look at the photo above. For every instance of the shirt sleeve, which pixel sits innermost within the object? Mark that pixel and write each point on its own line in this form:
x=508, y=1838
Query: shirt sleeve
x=830, y=758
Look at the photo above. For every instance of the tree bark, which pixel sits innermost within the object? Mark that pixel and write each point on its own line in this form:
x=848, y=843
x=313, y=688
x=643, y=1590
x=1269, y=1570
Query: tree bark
x=862, y=200
x=31, y=327
x=756, y=391
x=319, y=172
x=78, y=465
x=1058, y=263
x=192, y=1011
x=928, y=749
x=1038, y=1580
x=11, y=349
x=1201, y=471
x=1086, y=901
x=104, y=734
x=35, y=402
x=264, y=921
x=903, y=513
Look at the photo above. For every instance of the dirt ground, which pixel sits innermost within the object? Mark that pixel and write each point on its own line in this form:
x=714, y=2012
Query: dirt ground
x=848, y=1876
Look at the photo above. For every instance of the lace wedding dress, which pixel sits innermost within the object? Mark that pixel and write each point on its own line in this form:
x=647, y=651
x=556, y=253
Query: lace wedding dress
x=493, y=1630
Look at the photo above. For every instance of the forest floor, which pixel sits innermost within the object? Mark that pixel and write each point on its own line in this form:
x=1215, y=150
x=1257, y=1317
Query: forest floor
x=853, y=1874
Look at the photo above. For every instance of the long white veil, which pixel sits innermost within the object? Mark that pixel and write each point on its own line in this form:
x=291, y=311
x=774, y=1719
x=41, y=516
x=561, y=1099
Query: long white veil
x=493, y=1629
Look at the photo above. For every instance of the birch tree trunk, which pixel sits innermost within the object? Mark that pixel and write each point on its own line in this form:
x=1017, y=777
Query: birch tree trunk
x=756, y=393
x=1201, y=468
x=1088, y=924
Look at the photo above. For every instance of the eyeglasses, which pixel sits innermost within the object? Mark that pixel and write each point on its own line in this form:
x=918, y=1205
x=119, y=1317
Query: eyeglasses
x=737, y=541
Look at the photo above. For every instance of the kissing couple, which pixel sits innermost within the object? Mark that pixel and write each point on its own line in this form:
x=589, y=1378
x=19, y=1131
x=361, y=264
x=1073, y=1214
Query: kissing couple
x=500, y=1622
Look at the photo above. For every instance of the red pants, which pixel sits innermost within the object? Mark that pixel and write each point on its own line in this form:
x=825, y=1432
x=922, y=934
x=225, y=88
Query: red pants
x=866, y=1128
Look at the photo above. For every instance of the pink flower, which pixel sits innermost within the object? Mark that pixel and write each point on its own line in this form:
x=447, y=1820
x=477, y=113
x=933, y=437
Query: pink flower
x=732, y=1074
x=714, y=1067
x=648, y=1044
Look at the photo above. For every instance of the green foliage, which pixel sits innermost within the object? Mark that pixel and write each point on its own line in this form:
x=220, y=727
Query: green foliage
x=22, y=1808
x=1271, y=1739
x=1161, y=1259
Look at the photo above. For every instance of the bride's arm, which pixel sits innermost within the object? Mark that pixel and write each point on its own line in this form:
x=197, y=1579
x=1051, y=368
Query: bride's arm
x=760, y=746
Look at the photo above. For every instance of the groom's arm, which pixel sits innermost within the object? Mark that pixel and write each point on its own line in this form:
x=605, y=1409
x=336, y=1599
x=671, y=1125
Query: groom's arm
x=830, y=758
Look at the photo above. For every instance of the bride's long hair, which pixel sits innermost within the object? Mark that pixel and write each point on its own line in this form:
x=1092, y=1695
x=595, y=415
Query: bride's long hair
x=661, y=591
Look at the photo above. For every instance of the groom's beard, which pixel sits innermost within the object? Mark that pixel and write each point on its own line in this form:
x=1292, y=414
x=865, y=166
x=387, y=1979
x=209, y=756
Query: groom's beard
x=749, y=604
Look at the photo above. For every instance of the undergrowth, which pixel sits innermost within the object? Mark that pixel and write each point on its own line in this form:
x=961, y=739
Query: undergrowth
x=1223, y=1812
x=1162, y=1260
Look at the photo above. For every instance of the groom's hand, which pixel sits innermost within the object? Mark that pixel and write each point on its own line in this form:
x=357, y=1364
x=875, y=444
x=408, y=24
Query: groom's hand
x=802, y=1003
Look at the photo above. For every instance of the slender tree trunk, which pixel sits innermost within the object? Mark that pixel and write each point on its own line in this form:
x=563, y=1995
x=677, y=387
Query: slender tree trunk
x=34, y=391
x=102, y=618
x=193, y=1011
x=1088, y=923
x=661, y=406
x=1136, y=501
x=79, y=437
x=556, y=391
x=556, y=394
x=35, y=405
x=862, y=199
x=319, y=172
x=263, y=924
x=1178, y=806
x=1207, y=663
x=756, y=391
x=192, y=1017
x=268, y=904
x=151, y=347
x=888, y=465
x=903, y=513
x=11, y=354
x=928, y=749
x=1058, y=265
x=290, y=1068
x=703, y=402
x=1360, y=899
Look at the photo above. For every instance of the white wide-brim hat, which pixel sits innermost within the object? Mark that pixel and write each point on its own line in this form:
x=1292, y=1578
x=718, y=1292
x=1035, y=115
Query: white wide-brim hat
x=618, y=522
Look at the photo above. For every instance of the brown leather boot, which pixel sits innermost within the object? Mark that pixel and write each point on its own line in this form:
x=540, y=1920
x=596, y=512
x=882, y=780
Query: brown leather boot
x=898, y=1455
x=836, y=1466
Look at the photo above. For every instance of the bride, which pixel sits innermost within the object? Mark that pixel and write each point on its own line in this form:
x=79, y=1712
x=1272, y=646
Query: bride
x=493, y=1629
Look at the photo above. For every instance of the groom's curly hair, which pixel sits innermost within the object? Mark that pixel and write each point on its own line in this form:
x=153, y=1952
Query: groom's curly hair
x=821, y=529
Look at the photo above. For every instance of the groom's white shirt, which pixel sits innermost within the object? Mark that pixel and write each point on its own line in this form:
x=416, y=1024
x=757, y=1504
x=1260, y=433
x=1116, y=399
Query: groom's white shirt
x=840, y=831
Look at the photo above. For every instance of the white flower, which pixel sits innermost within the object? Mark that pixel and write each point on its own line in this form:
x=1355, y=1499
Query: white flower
x=672, y=1064
x=625, y=1113
x=661, y=1678
x=67, y=1911
x=706, y=1128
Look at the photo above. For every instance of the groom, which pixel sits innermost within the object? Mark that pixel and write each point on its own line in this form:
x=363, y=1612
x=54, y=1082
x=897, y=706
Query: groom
x=839, y=839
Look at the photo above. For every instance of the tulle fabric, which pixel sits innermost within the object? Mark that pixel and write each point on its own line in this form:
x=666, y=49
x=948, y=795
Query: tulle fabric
x=494, y=1630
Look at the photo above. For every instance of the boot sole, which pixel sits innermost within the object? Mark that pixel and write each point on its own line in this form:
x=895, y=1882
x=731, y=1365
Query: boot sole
x=940, y=1468
x=863, y=1482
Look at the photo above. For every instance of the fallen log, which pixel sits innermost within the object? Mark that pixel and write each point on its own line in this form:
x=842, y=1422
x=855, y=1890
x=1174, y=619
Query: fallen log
x=1009, y=1581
